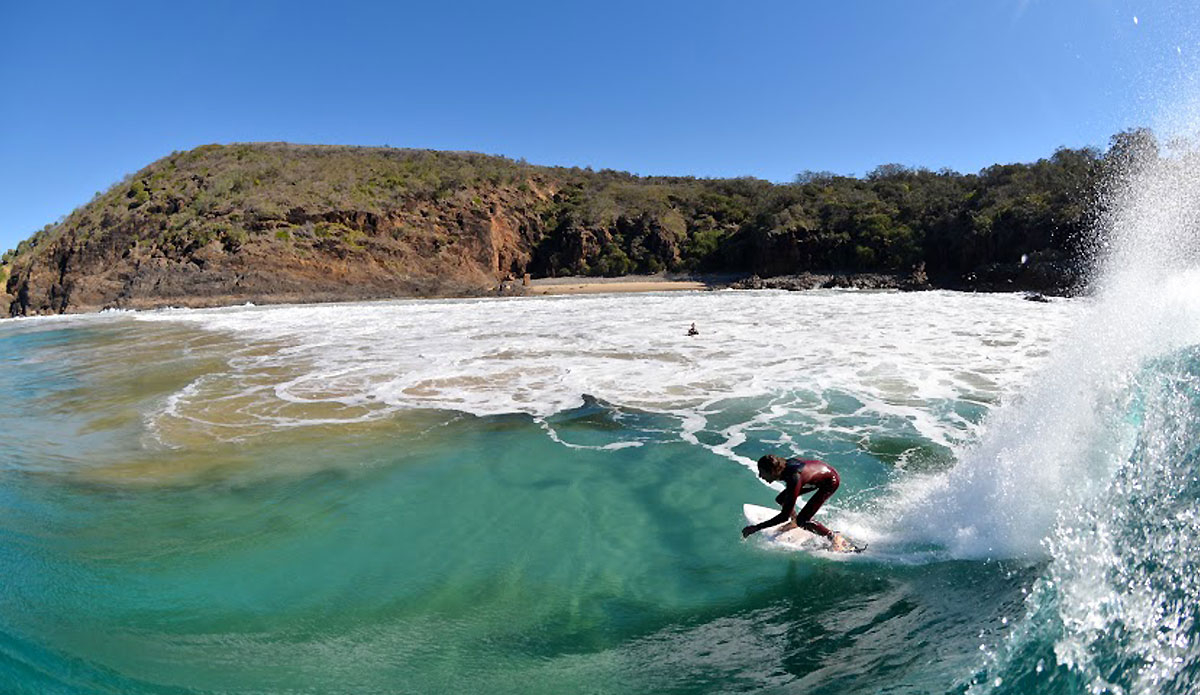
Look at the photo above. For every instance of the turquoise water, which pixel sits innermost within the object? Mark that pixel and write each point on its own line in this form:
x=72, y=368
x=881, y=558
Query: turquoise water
x=193, y=505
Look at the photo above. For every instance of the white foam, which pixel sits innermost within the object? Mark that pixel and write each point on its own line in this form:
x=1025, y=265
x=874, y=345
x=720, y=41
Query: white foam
x=896, y=353
x=1057, y=445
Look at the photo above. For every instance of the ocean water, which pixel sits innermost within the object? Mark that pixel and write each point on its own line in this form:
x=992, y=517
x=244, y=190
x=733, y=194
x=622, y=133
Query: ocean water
x=543, y=495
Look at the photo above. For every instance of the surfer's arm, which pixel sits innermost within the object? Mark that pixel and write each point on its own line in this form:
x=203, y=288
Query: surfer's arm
x=788, y=502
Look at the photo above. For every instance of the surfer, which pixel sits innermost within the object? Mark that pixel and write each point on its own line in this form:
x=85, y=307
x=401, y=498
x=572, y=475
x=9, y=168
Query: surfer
x=693, y=331
x=800, y=476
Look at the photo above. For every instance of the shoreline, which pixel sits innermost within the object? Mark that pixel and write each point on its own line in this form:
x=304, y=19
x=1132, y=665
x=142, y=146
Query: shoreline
x=807, y=280
x=619, y=284
x=578, y=285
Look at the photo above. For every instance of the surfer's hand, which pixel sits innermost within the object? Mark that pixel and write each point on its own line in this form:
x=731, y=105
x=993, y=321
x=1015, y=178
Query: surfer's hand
x=746, y=531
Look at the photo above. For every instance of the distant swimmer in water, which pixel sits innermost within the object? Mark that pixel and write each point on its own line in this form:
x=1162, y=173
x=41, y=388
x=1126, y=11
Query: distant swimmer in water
x=692, y=330
x=800, y=476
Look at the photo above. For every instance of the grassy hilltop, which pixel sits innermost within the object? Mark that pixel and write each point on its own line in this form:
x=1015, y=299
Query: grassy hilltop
x=277, y=222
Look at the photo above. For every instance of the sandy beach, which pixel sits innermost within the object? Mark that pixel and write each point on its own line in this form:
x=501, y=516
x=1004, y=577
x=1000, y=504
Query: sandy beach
x=626, y=283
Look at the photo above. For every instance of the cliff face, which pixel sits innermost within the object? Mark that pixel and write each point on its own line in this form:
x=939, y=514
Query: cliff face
x=194, y=231
x=370, y=255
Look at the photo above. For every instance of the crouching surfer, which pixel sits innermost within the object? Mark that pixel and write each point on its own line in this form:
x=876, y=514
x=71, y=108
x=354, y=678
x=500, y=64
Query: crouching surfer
x=800, y=477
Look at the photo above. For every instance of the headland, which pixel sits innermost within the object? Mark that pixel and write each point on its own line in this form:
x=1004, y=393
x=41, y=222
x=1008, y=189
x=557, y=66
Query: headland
x=282, y=223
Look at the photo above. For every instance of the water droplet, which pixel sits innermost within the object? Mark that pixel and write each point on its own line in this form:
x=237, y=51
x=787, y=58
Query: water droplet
x=1041, y=664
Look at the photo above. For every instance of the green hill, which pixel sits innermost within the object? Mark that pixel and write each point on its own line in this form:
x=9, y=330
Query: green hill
x=276, y=222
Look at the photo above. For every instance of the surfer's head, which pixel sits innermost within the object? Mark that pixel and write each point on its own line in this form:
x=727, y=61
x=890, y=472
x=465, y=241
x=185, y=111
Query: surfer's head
x=770, y=467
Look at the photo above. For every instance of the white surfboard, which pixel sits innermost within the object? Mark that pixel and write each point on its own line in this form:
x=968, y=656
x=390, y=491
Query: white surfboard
x=788, y=536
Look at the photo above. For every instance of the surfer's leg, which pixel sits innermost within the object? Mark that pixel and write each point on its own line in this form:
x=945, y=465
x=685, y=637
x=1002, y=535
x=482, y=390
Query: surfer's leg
x=824, y=492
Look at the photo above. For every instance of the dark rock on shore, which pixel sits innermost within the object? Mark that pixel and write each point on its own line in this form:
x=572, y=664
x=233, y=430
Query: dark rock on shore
x=1041, y=273
x=914, y=280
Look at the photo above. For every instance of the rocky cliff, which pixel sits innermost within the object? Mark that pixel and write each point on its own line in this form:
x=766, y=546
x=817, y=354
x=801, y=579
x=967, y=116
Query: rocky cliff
x=275, y=223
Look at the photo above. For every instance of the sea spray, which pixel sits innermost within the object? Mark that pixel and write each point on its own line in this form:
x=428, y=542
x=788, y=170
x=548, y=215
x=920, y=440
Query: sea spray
x=1060, y=442
x=1111, y=487
x=1126, y=575
x=1118, y=606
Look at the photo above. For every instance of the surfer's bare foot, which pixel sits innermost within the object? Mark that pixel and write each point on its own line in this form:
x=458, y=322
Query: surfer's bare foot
x=840, y=544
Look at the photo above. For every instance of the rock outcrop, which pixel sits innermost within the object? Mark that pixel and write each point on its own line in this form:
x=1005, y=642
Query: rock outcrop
x=137, y=249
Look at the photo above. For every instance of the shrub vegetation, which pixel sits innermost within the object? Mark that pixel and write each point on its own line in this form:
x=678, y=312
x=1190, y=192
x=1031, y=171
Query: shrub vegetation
x=609, y=222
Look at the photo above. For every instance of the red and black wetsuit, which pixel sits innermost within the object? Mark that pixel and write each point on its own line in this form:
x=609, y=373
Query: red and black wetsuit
x=800, y=477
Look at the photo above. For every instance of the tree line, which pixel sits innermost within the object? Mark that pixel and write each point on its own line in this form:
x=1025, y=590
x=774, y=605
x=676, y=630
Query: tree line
x=585, y=222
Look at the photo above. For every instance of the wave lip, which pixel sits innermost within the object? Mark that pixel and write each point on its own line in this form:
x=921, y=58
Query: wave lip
x=1114, y=455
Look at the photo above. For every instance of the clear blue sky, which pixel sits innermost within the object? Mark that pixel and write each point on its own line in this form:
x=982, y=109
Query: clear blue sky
x=92, y=91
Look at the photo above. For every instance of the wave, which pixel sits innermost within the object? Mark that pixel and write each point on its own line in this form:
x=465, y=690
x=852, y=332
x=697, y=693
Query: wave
x=1117, y=609
x=1093, y=470
x=1058, y=445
